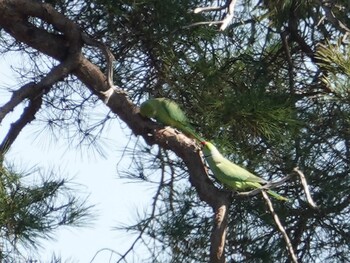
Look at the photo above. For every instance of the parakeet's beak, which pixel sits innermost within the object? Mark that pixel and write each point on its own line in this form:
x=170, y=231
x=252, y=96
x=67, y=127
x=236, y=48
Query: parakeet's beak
x=203, y=143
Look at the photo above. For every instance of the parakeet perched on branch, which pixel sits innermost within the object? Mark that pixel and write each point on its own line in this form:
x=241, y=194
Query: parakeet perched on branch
x=231, y=174
x=168, y=113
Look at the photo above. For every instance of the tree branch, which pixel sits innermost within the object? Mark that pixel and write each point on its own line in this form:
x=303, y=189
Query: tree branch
x=280, y=227
x=326, y=6
x=306, y=188
x=218, y=234
x=17, y=97
x=209, y=9
x=109, y=58
x=229, y=6
x=229, y=15
x=27, y=116
x=203, y=23
x=32, y=90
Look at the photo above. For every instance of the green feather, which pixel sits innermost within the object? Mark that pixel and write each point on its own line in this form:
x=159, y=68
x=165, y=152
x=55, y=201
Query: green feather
x=168, y=113
x=231, y=174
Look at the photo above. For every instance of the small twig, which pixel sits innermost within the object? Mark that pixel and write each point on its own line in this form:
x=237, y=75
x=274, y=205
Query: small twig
x=229, y=6
x=276, y=184
x=289, y=59
x=103, y=250
x=209, y=9
x=280, y=227
x=229, y=16
x=109, y=58
x=210, y=23
x=306, y=187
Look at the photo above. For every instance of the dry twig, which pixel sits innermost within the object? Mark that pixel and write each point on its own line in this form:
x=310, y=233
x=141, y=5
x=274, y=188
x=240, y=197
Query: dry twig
x=280, y=227
x=229, y=6
x=109, y=58
x=306, y=188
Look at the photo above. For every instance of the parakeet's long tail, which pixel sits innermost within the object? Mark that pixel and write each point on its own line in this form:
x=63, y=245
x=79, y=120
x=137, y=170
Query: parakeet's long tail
x=277, y=196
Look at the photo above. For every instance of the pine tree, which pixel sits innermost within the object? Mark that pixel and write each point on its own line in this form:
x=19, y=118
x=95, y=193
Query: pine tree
x=270, y=88
x=32, y=212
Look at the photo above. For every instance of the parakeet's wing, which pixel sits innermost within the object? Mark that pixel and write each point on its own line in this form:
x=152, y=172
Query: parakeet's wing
x=236, y=173
x=175, y=112
x=169, y=113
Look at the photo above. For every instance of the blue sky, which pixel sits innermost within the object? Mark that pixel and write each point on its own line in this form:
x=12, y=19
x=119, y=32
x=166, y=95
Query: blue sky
x=117, y=200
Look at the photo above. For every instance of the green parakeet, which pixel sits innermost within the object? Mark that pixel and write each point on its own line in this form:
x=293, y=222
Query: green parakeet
x=231, y=174
x=168, y=113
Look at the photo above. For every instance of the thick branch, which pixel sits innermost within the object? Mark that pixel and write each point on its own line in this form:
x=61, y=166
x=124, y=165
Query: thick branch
x=218, y=235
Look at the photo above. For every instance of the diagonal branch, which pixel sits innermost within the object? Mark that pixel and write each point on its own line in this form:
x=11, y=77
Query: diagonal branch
x=280, y=227
x=327, y=8
x=27, y=116
x=32, y=90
